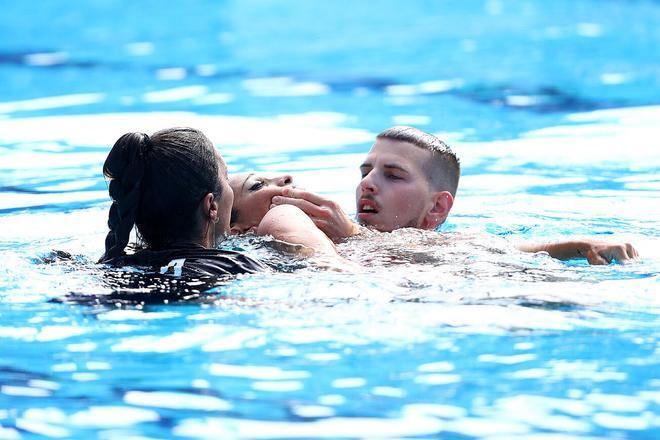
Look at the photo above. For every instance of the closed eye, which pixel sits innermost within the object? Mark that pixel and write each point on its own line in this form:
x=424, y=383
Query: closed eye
x=256, y=185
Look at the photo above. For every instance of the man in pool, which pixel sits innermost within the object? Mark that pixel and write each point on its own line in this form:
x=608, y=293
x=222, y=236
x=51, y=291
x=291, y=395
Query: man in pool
x=409, y=179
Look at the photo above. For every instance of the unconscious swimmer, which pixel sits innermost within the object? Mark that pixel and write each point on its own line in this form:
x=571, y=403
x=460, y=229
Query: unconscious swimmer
x=409, y=180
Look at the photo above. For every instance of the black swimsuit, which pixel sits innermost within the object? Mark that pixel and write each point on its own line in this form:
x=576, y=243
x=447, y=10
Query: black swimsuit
x=191, y=261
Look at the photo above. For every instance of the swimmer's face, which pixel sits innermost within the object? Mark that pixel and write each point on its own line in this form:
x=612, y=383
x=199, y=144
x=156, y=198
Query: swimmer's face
x=395, y=191
x=253, y=194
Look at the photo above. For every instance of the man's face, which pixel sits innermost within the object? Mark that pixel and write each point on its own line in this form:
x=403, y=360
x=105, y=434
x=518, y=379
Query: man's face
x=394, y=191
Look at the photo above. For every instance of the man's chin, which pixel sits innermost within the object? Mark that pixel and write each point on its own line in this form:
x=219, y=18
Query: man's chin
x=368, y=219
x=373, y=223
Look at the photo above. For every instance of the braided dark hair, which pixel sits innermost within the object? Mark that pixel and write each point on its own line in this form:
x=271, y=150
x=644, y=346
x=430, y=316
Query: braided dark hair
x=156, y=184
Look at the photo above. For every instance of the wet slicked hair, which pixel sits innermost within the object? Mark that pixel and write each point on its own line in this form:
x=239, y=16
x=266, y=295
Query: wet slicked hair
x=156, y=184
x=444, y=170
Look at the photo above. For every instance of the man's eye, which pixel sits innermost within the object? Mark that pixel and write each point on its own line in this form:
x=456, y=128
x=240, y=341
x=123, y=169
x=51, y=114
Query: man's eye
x=393, y=177
x=256, y=185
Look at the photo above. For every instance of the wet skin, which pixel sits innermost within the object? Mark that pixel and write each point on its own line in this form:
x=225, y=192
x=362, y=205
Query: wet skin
x=253, y=194
x=394, y=191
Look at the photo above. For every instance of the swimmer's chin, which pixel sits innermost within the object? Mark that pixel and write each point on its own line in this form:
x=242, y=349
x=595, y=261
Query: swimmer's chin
x=237, y=230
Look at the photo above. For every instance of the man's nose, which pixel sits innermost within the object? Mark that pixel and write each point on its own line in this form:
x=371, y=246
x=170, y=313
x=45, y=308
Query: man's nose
x=367, y=184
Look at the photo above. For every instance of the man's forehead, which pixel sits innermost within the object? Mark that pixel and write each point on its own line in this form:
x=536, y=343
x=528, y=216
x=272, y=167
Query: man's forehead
x=397, y=153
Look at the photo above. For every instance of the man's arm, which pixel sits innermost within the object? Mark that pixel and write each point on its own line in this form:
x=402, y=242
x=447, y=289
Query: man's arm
x=595, y=251
x=326, y=214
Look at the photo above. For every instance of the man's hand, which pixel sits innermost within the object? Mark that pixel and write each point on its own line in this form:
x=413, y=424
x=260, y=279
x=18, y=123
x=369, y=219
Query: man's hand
x=326, y=214
x=595, y=251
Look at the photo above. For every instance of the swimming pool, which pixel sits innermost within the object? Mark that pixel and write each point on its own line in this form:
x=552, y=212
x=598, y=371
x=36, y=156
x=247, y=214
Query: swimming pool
x=553, y=109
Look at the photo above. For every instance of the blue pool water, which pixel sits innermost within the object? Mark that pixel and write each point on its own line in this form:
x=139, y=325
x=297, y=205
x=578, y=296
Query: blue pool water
x=553, y=108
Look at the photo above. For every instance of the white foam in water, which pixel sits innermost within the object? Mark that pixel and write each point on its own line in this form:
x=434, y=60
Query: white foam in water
x=85, y=377
x=590, y=30
x=51, y=102
x=255, y=372
x=235, y=340
x=176, y=94
x=245, y=135
x=617, y=422
x=539, y=412
x=112, y=416
x=161, y=399
x=192, y=337
x=506, y=360
x=436, y=367
x=41, y=428
x=434, y=410
x=213, y=99
x=45, y=59
x=438, y=379
x=284, y=386
x=388, y=392
x=348, y=382
x=427, y=87
x=480, y=427
x=312, y=411
x=332, y=399
x=336, y=427
x=171, y=74
x=323, y=357
x=284, y=86
x=12, y=434
x=129, y=315
x=142, y=48
x=617, y=403
x=10, y=390
x=59, y=332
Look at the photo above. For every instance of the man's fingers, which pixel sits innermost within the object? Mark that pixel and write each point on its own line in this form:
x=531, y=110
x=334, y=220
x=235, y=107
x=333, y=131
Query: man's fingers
x=621, y=252
x=618, y=253
x=308, y=208
x=594, y=258
x=296, y=193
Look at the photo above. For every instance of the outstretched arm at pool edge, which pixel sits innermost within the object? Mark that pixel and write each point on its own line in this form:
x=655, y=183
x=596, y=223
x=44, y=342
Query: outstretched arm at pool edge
x=595, y=251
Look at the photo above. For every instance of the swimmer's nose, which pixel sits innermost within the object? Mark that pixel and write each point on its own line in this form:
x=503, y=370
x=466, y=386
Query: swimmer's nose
x=284, y=180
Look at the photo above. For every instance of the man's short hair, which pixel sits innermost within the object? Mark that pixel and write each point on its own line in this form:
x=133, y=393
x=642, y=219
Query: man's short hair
x=444, y=169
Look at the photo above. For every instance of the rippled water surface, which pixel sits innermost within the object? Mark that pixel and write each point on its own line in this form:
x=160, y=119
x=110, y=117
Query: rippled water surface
x=553, y=108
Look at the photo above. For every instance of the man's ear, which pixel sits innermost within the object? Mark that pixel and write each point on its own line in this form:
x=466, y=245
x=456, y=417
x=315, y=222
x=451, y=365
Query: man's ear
x=442, y=203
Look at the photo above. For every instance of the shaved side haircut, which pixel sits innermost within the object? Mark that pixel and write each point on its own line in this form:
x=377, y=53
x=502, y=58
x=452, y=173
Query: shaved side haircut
x=444, y=170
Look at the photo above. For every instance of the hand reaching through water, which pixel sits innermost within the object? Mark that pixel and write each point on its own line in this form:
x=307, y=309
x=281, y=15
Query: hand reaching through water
x=326, y=214
x=595, y=251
